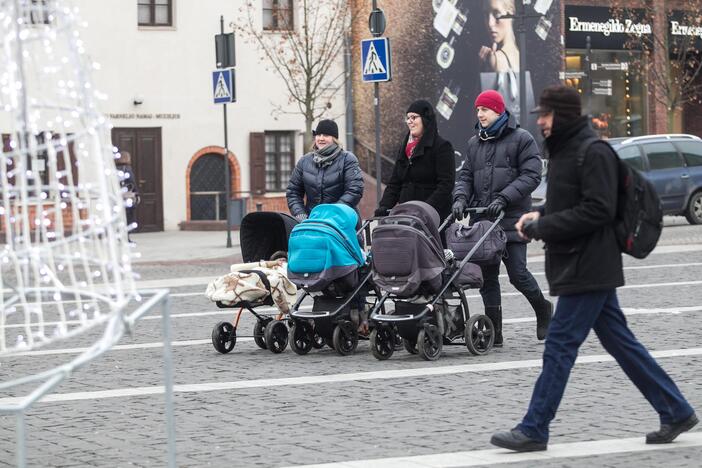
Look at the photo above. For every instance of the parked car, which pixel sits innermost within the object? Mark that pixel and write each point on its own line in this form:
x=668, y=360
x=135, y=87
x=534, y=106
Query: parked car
x=673, y=163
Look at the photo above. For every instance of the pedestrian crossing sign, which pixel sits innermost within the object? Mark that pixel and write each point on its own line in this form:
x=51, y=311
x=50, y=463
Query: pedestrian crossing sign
x=223, y=86
x=375, y=59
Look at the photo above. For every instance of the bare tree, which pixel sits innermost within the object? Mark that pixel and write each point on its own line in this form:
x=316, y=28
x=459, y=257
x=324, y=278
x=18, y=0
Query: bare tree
x=672, y=55
x=304, y=47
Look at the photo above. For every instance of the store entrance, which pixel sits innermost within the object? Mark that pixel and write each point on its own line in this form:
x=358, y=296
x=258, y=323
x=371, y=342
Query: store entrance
x=617, y=99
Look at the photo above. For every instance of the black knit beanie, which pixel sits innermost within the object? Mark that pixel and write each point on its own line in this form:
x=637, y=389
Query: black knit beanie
x=327, y=127
x=563, y=101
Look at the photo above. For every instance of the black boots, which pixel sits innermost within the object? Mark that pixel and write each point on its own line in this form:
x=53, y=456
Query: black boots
x=494, y=313
x=544, y=310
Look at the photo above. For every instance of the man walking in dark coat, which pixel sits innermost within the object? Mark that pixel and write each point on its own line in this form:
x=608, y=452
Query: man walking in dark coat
x=584, y=268
x=501, y=169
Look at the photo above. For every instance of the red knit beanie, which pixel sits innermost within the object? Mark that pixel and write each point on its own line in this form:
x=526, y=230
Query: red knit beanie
x=492, y=100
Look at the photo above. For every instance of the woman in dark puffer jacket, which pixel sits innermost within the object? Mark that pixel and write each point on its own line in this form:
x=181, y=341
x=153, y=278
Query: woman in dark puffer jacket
x=326, y=175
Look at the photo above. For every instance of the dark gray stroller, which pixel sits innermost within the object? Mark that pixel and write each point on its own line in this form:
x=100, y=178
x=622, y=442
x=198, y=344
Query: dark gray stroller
x=412, y=269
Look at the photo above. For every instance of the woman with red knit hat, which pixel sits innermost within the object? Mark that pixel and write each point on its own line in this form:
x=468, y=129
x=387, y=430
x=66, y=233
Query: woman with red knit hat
x=502, y=167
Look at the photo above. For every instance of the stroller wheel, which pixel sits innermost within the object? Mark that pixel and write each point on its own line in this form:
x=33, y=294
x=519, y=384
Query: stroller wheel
x=224, y=337
x=259, y=328
x=276, y=336
x=480, y=334
x=398, y=340
x=345, y=338
x=382, y=343
x=318, y=341
x=410, y=346
x=429, y=343
x=300, y=337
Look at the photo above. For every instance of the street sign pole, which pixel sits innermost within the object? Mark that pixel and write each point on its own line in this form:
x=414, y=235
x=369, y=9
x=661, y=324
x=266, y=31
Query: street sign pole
x=523, y=112
x=227, y=178
x=376, y=105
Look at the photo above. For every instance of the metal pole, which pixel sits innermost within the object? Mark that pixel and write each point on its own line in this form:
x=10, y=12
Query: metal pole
x=168, y=379
x=349, y=94
x=227, y=181
x=21, y=440
x=588, y=71
x=378, y=167
x=522, y=65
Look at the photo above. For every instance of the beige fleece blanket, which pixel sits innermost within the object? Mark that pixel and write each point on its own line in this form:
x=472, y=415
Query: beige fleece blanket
x=238, y=286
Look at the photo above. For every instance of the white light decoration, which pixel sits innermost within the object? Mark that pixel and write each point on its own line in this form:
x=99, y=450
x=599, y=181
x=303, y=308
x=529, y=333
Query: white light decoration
x=64, y=254
x=63, y=250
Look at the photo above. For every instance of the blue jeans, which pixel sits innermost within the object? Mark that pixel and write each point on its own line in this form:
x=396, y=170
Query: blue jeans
x=575, y=316
x=516, y=266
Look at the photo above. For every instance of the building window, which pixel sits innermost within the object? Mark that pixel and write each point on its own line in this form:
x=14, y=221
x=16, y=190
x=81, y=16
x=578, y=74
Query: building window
x=207, y=188
x=155, y=12
x=279, y=160
x=277, y=15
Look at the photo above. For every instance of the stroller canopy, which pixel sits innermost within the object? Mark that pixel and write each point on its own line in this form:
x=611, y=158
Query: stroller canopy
x=426, y=213
x=262, y=233
x=326, y=240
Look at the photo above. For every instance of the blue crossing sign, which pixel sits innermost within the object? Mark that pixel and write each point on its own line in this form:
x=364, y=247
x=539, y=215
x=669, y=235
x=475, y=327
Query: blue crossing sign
x=375, y=59
x=223, y=86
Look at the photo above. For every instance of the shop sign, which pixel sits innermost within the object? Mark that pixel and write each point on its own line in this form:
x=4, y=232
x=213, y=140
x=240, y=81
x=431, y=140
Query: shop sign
x=605, y=30
x=143, y=116
x=617, y=66
x=602, y=91
x=685, y=30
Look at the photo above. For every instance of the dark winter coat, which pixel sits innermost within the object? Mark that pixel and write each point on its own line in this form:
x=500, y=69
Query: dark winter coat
x=508, y=165
x=311, y=185
x=582, y=254
x=427, y=176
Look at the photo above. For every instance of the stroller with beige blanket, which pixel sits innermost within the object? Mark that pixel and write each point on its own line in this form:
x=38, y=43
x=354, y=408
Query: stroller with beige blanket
x=259, y=283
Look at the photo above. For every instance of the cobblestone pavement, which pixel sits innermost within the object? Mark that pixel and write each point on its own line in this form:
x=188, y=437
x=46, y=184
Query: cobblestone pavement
x=358, y=408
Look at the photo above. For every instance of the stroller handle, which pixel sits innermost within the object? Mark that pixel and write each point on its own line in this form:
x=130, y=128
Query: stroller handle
x=477, y=210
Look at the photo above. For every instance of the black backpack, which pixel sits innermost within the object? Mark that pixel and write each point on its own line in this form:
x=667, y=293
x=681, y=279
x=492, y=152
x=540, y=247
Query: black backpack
x=639, y=219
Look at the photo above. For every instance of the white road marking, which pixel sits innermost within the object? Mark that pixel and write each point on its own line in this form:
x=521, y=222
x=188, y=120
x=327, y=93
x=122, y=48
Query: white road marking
x=628, y=286
x=48, y=352
x=205, y=280
x=664, y=249
x=498, y=456
x=640, y=267
x=334, y=378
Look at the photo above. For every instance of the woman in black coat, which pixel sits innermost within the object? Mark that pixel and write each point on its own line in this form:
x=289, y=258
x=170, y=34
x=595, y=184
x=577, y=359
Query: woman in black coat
x=425, y=169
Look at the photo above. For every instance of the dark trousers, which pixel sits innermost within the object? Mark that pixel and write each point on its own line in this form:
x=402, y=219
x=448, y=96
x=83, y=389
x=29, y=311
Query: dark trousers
x=575, y=316
x=519, y=276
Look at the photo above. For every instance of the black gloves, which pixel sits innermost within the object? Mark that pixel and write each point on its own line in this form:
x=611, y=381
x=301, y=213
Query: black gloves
x=301, y=217
x=459, y=207
x=497, y=205
x=381, y=211
x=531, y=229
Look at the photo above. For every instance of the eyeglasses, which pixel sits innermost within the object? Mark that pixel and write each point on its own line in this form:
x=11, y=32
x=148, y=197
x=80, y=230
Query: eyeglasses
x=412, y=118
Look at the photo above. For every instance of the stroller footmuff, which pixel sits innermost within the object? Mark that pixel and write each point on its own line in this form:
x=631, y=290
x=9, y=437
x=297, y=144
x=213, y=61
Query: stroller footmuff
x=260, y=282
x=426, y=285
x=326, y=261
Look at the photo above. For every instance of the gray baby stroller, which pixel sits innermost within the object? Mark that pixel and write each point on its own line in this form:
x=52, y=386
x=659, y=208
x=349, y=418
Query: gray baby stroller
x=426, y=285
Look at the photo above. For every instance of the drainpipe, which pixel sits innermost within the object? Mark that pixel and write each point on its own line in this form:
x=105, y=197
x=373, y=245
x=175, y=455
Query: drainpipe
x=349, y=93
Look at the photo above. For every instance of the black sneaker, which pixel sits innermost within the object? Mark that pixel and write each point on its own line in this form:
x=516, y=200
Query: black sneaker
x=518, y=441
x=668, y=432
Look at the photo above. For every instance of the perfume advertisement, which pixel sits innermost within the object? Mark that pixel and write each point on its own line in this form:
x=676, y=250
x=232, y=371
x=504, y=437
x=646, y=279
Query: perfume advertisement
x=478, y=49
